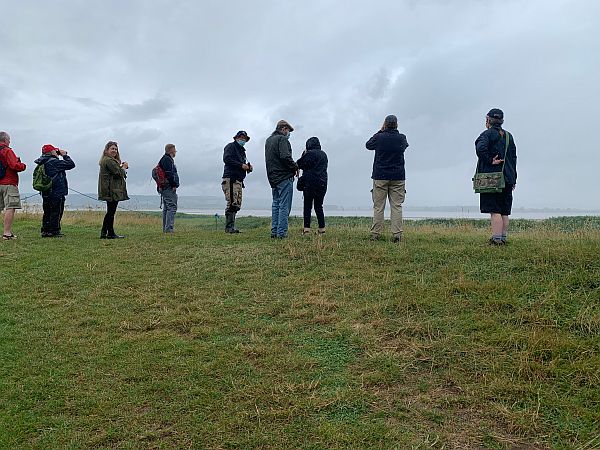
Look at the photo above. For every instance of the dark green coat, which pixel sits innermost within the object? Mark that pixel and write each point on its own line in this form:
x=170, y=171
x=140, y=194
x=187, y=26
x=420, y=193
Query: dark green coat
x=278, y=157
x=111, y=181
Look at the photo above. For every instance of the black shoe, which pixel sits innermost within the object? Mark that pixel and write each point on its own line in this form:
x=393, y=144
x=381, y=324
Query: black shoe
x=496, y=243
x=232, y=231
x=397, y=239
x=375, y=238
x=103, y=236
x=52, y=235
x=114, y=236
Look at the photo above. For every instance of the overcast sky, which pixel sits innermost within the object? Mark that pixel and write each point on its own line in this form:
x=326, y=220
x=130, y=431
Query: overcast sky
x=77, y=73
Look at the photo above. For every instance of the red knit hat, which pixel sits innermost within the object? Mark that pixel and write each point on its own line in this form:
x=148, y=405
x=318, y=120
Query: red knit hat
x=48, y=148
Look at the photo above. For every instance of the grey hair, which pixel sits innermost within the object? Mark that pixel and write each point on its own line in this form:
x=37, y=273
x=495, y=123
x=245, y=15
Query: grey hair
x=4, y=136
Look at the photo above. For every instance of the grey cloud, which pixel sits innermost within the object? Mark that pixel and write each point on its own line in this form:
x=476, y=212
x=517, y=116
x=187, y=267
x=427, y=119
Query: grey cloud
x=192, y=73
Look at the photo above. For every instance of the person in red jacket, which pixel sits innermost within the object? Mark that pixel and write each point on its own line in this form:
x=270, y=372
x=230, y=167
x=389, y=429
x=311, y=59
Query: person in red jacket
x=10, y=199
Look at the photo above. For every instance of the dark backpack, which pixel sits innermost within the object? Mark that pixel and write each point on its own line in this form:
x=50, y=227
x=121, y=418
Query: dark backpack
x=2, y=167
x=159, y=175
x=41, y=181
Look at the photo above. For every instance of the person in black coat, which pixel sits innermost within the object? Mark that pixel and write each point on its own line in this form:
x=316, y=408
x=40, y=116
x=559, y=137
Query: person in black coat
x=492, y=157
x=234, y=173
x=389, y=177
x=53, y=200
x=313, y=164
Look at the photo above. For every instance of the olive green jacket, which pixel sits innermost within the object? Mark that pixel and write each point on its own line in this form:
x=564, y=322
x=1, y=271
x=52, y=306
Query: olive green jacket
x=111, y=181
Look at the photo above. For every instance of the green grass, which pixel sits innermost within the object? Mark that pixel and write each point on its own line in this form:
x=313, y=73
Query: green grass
x=209, y=340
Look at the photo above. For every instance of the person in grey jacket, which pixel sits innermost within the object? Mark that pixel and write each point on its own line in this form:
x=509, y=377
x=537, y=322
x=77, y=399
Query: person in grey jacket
x=281, y=169
x=169, y=192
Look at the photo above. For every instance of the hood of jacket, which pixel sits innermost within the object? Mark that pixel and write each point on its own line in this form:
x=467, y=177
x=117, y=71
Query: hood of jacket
x=313, y=143
x=44, y=159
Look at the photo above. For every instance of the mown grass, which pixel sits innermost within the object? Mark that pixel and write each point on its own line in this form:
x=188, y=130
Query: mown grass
x=208, y=340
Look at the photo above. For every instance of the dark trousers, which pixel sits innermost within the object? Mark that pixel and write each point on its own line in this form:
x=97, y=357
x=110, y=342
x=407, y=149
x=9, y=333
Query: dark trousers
x=53, y=212
x=108, y=226
x=315, y=198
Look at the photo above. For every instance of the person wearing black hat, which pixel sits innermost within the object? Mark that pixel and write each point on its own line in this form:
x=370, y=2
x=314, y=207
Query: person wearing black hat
x=388, y=177
x=53, y=200
x=492, y=157
x=234, y=173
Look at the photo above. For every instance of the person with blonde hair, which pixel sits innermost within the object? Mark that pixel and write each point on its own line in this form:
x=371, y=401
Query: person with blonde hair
x=111, y=187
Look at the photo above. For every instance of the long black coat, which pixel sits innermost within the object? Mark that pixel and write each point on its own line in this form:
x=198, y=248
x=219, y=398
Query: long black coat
x=491, y=143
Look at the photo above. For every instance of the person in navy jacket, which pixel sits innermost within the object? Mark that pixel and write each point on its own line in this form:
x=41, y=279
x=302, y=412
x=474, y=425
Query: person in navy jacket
x=388, y=176
x=53, y=200
x=491, y=157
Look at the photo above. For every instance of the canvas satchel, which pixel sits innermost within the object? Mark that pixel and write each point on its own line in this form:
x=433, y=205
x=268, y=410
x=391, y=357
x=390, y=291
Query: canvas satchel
x=491, y=182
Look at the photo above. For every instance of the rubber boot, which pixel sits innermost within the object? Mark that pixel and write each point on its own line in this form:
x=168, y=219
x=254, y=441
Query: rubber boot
x=233, y=228
x=229, y=221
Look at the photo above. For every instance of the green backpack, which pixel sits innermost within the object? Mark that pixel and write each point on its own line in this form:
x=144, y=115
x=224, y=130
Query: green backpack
x=41, y=181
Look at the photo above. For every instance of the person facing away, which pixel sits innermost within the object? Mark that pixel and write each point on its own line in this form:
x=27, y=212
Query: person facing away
x=112, y=187
x=314, y=175
x=491, y=157
x=388, y=177
x=10, y=199
x=168, y=193
x=234, y=173
x=53, y=200
x=281, y=169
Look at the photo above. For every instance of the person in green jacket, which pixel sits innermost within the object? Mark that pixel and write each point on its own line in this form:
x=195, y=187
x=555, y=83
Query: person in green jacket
x=111, y=187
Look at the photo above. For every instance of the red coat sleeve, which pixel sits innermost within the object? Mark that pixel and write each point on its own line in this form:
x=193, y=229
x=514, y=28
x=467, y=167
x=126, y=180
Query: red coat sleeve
x=12, y=162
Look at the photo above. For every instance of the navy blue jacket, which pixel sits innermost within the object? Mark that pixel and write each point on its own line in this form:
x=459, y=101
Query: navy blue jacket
x=168, y=165
x=489, y=144
x=55, y=168
x=389, y=146
x=234, y=156
x=314, y=166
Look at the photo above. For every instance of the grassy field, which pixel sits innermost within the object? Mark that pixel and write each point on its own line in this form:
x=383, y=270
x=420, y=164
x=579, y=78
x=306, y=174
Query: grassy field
x=208, y=340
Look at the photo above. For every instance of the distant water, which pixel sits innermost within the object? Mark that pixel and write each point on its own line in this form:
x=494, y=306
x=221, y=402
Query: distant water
x=255, y=207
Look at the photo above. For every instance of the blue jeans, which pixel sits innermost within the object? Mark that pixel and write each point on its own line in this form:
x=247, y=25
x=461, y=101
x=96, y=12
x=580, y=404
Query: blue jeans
x=281, y=207
x=169, y=201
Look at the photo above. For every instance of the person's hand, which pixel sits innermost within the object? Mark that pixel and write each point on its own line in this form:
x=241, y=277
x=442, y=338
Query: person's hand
x=250, y=168
x=174, y=189
x=496, y=160
x=62, y=152
x=124, y=165
x=245, y=167
x=514, y=186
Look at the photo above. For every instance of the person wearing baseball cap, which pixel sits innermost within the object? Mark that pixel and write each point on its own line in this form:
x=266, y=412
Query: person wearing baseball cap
x=281, y=169
x=234, y=173
x=492, y=157
x=53, y=200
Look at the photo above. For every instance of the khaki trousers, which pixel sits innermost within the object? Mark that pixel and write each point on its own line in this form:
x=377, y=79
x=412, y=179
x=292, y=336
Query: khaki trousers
x=233, y=194
x=396, y=192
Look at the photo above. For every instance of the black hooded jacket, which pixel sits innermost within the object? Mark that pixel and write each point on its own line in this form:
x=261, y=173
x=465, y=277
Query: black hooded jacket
x=314, y=165
x=55, y=168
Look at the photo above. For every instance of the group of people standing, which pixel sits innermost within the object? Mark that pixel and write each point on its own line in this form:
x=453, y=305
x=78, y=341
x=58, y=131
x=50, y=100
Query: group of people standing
x=494, y=147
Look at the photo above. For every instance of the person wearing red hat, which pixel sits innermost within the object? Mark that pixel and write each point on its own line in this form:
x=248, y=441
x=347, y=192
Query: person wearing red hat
x=10, y=199
x=53, y=200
